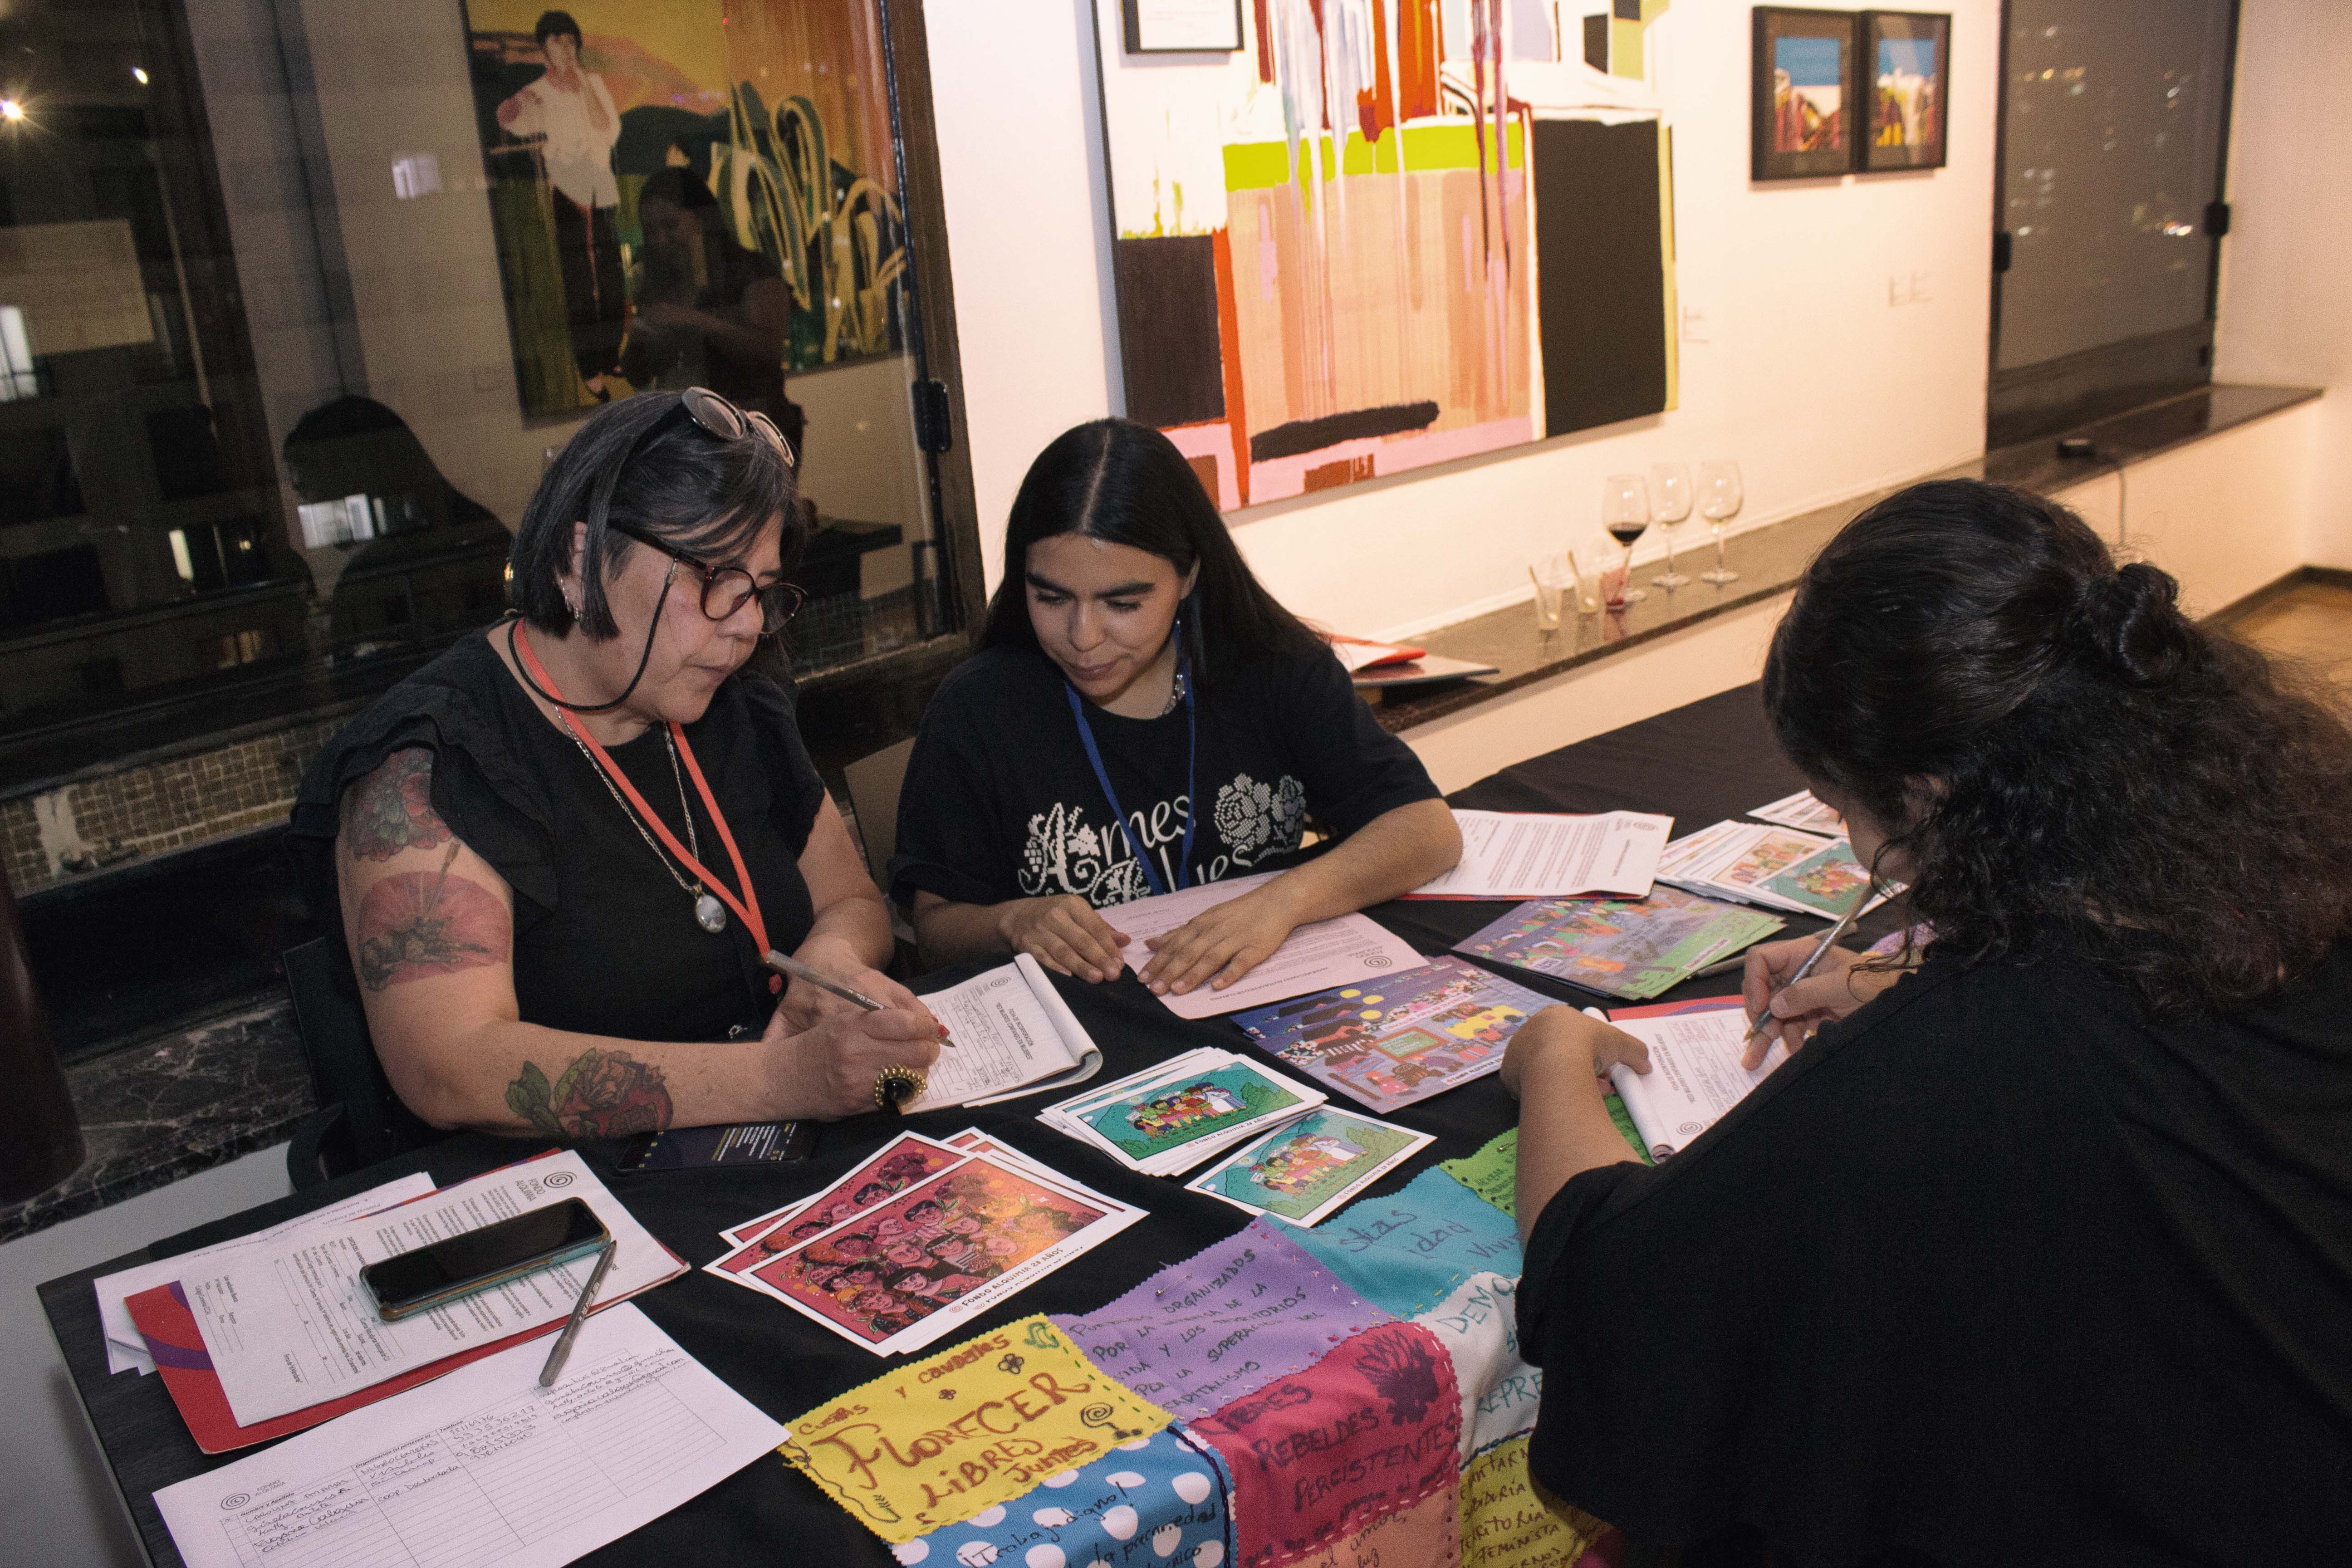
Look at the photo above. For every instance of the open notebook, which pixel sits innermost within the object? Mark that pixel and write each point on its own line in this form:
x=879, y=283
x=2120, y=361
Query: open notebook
x=1012, y=1035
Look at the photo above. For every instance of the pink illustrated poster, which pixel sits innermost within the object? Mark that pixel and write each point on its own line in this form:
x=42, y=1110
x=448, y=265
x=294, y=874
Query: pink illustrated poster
x=935, y=1243
x=895, y=1166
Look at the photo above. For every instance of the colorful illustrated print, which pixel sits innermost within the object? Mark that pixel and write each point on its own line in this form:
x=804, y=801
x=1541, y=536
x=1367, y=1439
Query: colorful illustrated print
x=1169, y=1116
x=935, y=1243
x=1827, y=880
x=1633, y=948
x=1402, y=1040
x=1302, y=1171
x=895, y=1166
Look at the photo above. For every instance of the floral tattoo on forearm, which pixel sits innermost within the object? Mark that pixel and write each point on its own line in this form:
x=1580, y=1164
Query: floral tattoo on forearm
x=415, y=925
x=392, y=808
x=603, y=1094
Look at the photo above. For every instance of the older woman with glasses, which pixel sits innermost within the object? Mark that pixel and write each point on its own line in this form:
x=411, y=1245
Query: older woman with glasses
x=561, y=853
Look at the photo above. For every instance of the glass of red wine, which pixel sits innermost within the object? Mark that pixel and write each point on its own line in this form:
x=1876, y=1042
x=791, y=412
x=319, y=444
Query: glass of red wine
x=1626, y=513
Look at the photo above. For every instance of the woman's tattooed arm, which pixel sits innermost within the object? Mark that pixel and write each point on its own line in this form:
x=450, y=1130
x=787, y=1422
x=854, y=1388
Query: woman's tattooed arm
x=603, y=1094
x=392, y=808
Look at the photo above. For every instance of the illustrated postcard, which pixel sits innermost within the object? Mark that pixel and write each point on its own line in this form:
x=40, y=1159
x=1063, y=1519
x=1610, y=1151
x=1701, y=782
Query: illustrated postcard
x=1307, y=1170
x=1397, y=1041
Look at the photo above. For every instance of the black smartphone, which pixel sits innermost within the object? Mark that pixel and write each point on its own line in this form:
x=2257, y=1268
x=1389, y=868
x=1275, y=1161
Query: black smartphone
x=441, y=1271
x=743, y=1143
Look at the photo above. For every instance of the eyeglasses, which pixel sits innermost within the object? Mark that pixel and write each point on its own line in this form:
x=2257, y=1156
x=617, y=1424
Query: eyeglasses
x=726, y=589
x=717, y=416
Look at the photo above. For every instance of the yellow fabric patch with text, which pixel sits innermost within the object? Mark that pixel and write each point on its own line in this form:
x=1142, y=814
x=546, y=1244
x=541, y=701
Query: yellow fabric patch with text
x=941, y=1439
x=1506, y=1523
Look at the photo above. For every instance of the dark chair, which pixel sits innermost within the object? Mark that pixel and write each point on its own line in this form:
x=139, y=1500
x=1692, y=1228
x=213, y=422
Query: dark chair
x=359, y=1120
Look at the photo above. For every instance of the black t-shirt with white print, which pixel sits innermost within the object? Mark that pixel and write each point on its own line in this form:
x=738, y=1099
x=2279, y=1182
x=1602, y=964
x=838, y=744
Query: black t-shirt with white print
x=1000, y=803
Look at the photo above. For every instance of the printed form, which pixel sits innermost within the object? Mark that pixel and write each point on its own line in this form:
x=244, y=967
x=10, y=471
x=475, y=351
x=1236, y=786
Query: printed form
x=1341, y=951
x=1694, y=1074
x=1012, y=1035
x=288, y=1327
x=483, y=1467
x=1522, y=855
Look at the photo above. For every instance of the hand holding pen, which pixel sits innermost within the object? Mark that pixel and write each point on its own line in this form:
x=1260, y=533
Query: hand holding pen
x=1787, y=1003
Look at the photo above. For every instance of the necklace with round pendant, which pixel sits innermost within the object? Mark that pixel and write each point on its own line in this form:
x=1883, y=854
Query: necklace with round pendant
x=709, y=913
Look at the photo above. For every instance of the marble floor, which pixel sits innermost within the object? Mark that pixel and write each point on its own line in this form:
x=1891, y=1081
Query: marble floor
x=2310, y=624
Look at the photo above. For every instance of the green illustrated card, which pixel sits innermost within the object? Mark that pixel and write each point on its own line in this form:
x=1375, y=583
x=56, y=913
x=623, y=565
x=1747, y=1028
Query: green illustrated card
x=1183, y=1110
x=1826, y=881
x=1306, y=1170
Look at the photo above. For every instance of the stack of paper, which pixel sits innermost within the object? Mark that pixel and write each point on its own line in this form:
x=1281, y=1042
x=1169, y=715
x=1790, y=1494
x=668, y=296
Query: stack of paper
x=1631, y=948
x=1324, y=954
x=485, y=1467
x=1803, y=811
x=1527, y=855
x=1695, y=1073
x=1777, y=867
x=1166, y=1120
x=1402, y=1039
x=1311, y=1167
x=921, y=1236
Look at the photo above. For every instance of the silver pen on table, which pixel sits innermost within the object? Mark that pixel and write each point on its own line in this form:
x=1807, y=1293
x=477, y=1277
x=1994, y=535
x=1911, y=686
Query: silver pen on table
x=1828, y=938
x=783, y=964
x=554, y=1367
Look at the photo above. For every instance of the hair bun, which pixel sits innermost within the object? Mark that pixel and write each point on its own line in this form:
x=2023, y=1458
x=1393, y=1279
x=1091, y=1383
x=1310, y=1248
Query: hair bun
x=2133, y=626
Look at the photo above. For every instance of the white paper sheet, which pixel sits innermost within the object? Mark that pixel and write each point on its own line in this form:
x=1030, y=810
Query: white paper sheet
x=1013, y=1035
x=1314, y=958
x=483, y=1467
x=1694, y=1074
x=1520, y=854
x=289, y=1326
x=126, y=1348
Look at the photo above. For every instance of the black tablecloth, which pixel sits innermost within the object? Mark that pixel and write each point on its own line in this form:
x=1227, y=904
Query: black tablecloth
x=1710, y=760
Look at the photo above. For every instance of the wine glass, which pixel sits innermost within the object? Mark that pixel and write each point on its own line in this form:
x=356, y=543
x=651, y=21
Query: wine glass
x=1718, y=502
x=1670, y=502
x=1626, y=513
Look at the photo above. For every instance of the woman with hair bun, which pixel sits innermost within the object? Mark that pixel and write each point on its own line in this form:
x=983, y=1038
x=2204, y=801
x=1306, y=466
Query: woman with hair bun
x=2039, y=1246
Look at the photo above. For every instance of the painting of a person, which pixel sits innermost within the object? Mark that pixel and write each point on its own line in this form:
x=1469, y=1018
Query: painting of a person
x=706, y=311
x=569, y=112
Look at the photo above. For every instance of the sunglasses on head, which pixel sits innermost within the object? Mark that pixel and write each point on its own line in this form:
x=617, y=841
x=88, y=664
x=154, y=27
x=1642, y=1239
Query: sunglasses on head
x=714, y=416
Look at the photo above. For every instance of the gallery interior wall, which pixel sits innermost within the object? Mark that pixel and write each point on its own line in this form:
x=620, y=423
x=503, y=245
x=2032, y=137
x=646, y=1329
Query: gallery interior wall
x=2283, y=318
x=1833, y=332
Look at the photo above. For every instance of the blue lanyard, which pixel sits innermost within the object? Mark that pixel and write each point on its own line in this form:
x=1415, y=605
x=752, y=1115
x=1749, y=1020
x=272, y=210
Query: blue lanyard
x=1191, y=758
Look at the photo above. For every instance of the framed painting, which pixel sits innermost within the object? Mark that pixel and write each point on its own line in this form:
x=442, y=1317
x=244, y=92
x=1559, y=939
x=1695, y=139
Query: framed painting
x=1181, y=27
x=1907, y=59
x=1803, y=86
x=1386, y=234
x=697, y=192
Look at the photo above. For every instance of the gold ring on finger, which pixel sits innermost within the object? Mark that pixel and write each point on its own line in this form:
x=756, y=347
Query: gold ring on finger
x=896, y=1086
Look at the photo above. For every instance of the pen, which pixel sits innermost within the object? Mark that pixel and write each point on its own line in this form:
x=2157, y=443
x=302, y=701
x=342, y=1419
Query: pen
x=548, y=1373
x=1721, y=966
x=799, y=971
x=1812, y=958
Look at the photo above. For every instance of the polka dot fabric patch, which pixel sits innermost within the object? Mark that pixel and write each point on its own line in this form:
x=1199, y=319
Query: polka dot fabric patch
x=1159, y=1501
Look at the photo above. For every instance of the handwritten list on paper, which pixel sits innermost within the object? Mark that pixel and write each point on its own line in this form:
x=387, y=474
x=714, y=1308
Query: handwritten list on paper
x=1223, y=1323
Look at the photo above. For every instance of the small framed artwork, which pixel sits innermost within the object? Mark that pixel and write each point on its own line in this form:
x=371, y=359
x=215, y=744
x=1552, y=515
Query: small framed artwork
x=1906, y=58
x=1181, y=26
x=1804, y=93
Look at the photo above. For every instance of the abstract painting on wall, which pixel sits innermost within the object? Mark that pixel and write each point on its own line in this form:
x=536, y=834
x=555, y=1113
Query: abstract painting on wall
x=1803, y=94
x=757, y=133
x=1908, y=55
x=1384, y=234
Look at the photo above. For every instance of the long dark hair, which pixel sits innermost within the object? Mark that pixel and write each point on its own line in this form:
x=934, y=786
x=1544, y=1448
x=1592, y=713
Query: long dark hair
x=674, y=481
x=1127, y=484
x=2058, y=750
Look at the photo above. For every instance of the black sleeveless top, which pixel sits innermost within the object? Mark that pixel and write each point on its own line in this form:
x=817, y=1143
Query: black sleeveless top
x=604, y=941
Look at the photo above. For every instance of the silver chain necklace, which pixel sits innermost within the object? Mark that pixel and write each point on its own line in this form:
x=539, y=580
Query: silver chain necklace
x=709, y=913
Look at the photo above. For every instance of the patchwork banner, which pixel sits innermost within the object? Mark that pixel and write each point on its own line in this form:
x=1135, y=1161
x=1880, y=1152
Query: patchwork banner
x=1506, y=1524
x=944, y=1439
x=1223, y=1323
x=1493, y=1172
x=1371, y=1430
x=1479, y=1327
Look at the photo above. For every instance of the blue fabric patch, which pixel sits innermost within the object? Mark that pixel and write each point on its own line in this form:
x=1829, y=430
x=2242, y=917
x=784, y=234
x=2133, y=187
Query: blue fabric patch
x=1405, y=1254
x=1162, y=1501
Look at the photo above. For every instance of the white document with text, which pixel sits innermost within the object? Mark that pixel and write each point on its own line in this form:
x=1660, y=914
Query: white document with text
x=1012, y=1035
x=1694, y=1074
x=288, y=1327
x=1342, y=952
x=483, y=1469
x=1525, y=854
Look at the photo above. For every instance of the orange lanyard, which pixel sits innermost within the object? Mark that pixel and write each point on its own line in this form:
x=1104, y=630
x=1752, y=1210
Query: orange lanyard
x=747, y=909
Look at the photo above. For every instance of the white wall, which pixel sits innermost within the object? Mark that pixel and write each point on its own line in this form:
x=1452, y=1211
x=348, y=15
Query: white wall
x=1835, y=331
x=2282, y=315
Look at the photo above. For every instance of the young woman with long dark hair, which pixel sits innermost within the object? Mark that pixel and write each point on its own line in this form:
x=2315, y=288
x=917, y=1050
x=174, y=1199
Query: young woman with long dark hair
x=2041, y=1248
x=1142, y=716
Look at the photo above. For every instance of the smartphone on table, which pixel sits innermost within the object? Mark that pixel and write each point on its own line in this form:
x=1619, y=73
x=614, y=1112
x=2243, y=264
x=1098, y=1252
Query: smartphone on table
x=441, y=1271
x=743, y=1143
